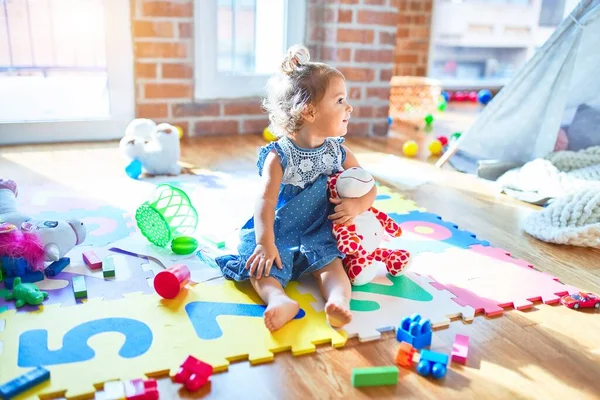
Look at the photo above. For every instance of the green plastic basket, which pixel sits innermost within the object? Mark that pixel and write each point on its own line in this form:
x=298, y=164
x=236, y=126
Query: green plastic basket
x=169, y=213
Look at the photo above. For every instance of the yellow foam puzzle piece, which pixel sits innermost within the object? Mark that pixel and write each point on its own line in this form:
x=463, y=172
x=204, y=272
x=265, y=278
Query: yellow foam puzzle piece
x=156, y=336
x=394, y=202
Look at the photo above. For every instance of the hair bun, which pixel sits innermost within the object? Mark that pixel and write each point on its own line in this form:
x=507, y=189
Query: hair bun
x=295, y=57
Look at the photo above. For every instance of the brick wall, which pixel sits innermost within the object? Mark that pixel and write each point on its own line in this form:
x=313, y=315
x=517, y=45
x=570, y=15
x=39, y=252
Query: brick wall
x=412, y=37
x=358, y=37
x=164, y=70
x=368, y=40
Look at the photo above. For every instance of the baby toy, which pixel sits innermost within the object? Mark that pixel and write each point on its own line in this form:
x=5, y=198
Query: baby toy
x=26, y=293
x=158, y=153
x=56, y=238
x=360, y=241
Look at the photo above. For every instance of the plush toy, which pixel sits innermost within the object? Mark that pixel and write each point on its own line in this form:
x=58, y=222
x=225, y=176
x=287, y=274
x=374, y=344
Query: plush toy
x=56, y=238
x=158, y=152
x=360, y=242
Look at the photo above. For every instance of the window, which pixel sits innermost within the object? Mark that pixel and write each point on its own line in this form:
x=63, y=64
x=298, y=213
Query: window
x=238, y=44
x=483, y=43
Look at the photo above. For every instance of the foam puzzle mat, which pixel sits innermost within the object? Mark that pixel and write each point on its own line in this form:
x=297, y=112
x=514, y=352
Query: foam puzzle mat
x=124, y=330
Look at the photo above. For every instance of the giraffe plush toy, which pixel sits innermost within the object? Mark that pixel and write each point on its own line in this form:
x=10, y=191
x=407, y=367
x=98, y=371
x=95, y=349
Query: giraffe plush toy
x=360, y=242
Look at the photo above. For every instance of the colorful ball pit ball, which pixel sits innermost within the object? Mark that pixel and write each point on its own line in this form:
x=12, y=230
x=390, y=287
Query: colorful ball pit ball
x=435, y=147
x=484, y=96
x=268, y=135
x=410, y=148
x=443, y=140
x=428, y=119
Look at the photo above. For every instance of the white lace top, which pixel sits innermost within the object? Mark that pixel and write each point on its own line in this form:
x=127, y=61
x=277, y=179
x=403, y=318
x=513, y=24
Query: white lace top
x=303, y=166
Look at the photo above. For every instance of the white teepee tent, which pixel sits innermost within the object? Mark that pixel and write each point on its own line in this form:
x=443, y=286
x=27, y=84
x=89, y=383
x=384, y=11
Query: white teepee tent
x=558, y=88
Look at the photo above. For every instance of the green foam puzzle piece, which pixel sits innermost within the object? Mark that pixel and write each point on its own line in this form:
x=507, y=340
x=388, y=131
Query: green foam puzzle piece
x=401, y=287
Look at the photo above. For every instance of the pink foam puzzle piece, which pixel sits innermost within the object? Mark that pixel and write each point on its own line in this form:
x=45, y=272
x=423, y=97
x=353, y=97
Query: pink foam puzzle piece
x=460, y=349
x=488, y=282
x=500, y=254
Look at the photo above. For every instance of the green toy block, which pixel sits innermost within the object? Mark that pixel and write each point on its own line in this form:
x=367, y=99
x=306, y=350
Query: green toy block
x=1, y=277
x=108, y=267
x=79, y=287
x=375, y=376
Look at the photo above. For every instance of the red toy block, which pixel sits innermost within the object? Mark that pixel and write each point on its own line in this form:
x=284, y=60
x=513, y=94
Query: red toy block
x=139, y=389
x=92, y=260
x=404, y=357
x=460, y=349
x=193, y=373
x=169, y=282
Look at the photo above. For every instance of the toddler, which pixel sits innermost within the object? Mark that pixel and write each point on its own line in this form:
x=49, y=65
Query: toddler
x=290, y=233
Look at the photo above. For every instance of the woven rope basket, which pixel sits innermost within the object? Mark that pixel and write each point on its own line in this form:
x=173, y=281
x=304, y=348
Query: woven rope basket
x=413, y=97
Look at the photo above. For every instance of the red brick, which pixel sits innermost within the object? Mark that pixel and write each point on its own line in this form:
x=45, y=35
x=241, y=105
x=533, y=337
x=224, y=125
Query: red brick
x=254, y=125
x=428, y=6
x=358, y=128
x=355, y=93
x=160, y=50
x=160, y=29
x=387, y=38
x=381, y=111
x=216, y=127
x=344, y=16
x=186, y=29
x=420, y=71
x=377, y=18
x=177, y=71
x=323, y=34
x=362, y=111
x=355, y=35
x=382, y=93
x=376, y=2
x=335, y=54
x=376, y=56
x=167, y=90
x=159, y=110
x=402, y=33
x=421, y=32
x=415, y=5
x=358, y=74
x=380, y=128
x=406, y=58
x=242, y=108
x=145, y=70
x=385, y=75
x=404, y=45
x=168, y=9
x=404, y=70
x=349, y=1
x=205, y=109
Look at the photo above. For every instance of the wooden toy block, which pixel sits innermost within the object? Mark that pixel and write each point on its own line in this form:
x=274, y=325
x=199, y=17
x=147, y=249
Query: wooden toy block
x=57, y=266
x=29, y=277
x=460, y=349
x=432, y=363
x=91, y=260
x=375, y=376
x=415, y=331
x=139, y=389
x=193, y=373
x=24, y=382
x=404, y=357
x=79, y=286
x=114, y=390
x=108, y=267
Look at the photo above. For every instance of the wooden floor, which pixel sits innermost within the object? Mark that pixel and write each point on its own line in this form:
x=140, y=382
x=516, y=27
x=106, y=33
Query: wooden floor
x=549, y=352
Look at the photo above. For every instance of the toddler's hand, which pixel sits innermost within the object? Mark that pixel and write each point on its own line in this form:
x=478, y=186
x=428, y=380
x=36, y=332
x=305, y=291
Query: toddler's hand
x=345, y=211
x=262, y=260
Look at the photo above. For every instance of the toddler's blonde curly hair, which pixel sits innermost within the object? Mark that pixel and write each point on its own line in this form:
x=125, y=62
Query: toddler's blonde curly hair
x=299, y=83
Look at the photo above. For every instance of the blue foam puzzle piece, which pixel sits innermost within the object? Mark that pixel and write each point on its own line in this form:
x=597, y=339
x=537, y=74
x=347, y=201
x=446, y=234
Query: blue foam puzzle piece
x=24, y=382
x=203, y=315
x=460, y=238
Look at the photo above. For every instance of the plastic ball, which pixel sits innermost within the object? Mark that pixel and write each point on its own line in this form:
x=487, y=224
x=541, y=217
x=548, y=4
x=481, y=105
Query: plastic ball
x=424, y=367
x=435, y=147
x=443, y=140
x=442, y=105
x=429, y=119
x=268, y=135
x=484, y=96
x=410, y=148
x=472, y=96
x=180, y=130
x=446, y=96
x=390, y=120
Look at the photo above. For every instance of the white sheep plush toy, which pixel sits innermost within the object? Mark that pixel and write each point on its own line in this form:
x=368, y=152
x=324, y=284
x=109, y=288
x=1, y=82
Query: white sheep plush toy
x=151, y=148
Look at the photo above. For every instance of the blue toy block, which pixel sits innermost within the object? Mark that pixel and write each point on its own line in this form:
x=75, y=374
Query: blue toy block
x=134, y=169
x=30, y=277
x=24, y=382
x=415, y=331
x=433, y=363
x=57, y=266
x=15, y=266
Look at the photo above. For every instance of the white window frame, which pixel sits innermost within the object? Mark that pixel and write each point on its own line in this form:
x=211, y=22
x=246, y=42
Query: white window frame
x=209, y=85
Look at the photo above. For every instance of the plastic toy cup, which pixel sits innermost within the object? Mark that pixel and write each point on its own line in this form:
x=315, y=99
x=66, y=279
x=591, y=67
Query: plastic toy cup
x=169, y=213
x=168, y=283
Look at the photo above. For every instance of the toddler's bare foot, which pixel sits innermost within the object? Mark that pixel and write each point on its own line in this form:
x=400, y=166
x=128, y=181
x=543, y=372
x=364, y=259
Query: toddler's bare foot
x=338, y=312
x=281, y=310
